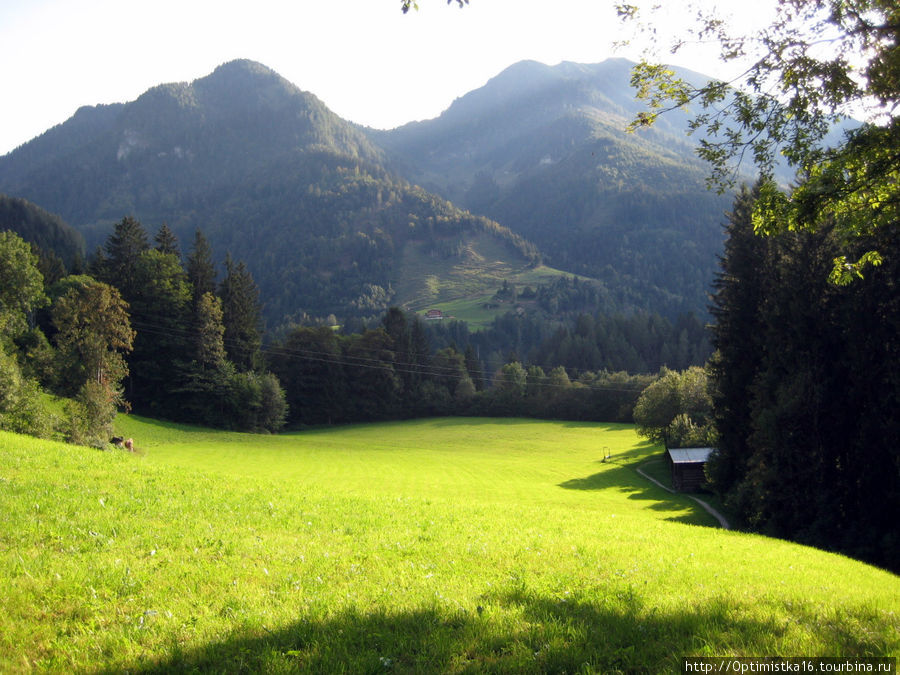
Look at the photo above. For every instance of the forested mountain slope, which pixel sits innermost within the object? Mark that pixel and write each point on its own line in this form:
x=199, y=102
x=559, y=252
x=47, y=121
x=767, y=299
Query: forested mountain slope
x=544, y=151
x=328, y=217
x=267, y=171
x=47, y=231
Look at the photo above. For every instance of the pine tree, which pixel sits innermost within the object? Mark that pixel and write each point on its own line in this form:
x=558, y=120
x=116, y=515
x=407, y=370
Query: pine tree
x=241, y=315
x=122, y=250
x=161, y=315
x=166, y=241
x=308, y=363
x=739, y=295
x=201, y=269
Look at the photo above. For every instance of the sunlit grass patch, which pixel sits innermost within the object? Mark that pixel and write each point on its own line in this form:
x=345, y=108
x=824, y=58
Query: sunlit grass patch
x=437, y=545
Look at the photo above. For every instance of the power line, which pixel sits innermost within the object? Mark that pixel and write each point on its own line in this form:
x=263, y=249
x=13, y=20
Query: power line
x=346, y=360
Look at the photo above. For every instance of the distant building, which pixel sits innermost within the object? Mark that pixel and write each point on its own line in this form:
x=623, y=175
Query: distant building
x=688, y=467
x=434, y=315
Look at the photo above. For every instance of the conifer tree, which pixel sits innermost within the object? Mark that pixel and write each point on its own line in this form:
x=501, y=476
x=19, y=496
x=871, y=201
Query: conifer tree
x=739, y=294
x=241, y=315
x=160, y=314
x=166, y=241
x=201, y=269
x=121, y=253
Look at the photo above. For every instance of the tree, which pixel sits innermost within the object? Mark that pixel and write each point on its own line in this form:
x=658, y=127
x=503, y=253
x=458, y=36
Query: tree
x=203, y=378
x=123, y=248
x=241, y=315
x=166, y=241
x=373, y=387
x=257, y=402
x=160, y=310
x=93, y=334
x=21, y=409
x=94, y=331
x=209, y=332
x=785, y=103
x=21, y=284
x=675, y=410
x=308, y=364
x=201, y=269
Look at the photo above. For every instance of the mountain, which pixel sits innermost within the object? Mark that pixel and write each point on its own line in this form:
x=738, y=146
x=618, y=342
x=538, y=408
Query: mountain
x=544, y=151
x=45, y=230
x=334, y=218
x=270, y=174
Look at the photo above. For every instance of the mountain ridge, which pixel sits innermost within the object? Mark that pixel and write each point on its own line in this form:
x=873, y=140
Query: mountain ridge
x=324, y=208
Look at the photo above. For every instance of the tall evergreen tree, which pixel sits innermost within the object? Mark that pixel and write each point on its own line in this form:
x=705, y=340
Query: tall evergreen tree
x=160, y=314
x=789, y=473
x=737, y=304
x=201, y=269
x=121, y=253
x=166, y=241
x=308, y=363
x=241, y=315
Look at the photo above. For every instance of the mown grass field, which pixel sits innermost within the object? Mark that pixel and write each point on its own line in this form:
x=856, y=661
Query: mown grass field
x=451, y=545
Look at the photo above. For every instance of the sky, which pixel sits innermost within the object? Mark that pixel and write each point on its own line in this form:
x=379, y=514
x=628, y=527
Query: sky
x=365, y=59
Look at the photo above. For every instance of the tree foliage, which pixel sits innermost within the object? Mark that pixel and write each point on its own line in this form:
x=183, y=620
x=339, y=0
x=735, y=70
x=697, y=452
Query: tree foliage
x=818, y=62
x=675, y=410
x=21, y=284
x=406, y=5
x=93, y=333
x=806, y=390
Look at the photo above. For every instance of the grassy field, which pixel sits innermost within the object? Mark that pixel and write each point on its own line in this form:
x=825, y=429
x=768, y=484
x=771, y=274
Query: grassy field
x=461, y=286
x=453, y=545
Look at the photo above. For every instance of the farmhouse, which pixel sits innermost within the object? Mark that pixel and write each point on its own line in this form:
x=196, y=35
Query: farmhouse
x=434, y=315
x=687, y=465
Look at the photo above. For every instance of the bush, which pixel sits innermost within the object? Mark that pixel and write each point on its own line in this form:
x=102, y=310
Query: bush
x=22, y=409
x=257, y=402
x=91, y=414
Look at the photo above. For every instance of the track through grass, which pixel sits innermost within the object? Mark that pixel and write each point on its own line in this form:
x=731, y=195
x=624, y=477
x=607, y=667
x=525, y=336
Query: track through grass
x=430, y=546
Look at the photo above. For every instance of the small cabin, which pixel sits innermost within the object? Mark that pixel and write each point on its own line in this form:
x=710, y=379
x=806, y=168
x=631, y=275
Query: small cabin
x=434, y=315
x=688, y=467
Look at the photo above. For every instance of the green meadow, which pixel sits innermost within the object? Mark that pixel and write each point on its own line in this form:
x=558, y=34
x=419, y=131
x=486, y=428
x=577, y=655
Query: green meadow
x=464, y=286
x=444, y=545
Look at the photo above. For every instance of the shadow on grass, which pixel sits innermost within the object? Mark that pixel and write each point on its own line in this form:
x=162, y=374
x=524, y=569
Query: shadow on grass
x=626, y=479
x=516, y=631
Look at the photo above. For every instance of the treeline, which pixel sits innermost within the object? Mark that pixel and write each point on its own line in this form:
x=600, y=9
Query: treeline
x=807, y=389
x=148, y=329
x=391, y=372
x=196, y=354
x=139, y=331
x=57, y=246
x=638, y=342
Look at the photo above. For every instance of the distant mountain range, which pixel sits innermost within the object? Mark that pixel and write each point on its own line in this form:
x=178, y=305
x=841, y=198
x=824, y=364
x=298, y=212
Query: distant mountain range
x=334, y=218
x=544, y=151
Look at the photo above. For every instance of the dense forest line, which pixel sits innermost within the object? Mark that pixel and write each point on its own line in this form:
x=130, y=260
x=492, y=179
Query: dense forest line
x=147, y=328
x=806, y=388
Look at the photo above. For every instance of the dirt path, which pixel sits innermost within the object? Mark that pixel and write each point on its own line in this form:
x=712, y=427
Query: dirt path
x=715, y=514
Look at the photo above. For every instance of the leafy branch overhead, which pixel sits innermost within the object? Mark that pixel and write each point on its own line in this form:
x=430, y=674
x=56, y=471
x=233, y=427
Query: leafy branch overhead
x=818, y=62
x=406, y=5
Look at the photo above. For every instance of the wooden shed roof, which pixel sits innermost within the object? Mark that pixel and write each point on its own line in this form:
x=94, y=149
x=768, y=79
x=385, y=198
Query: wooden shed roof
x=689, y=455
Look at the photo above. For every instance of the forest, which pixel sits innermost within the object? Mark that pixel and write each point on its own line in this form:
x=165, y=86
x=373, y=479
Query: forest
x=142, y=327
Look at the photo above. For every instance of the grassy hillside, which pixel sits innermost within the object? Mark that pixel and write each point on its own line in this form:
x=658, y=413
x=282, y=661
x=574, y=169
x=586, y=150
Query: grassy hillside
x=439, y=545
x=462, y=285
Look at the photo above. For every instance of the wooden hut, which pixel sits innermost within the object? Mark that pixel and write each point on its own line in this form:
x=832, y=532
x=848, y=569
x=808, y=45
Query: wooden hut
x=687, y=465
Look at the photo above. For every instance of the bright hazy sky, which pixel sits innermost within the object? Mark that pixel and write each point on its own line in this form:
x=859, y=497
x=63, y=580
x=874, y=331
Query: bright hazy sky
x=365, y=59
